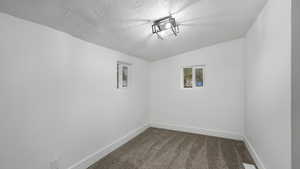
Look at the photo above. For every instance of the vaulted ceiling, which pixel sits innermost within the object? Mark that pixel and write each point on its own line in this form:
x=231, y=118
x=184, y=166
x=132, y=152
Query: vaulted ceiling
x=125, y=25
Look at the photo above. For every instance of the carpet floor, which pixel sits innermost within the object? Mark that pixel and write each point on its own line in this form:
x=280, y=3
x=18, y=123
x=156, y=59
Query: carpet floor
x=165, y=149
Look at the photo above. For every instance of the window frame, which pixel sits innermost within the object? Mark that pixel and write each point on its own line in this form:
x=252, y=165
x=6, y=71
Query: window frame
x=120, y=66
x=194, y=67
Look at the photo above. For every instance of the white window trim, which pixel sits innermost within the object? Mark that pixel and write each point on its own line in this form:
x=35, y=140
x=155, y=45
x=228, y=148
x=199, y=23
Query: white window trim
x=194, y=67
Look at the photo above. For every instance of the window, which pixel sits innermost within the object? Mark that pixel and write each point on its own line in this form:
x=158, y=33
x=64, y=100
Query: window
x=193, y=77
x=199, y=77
x=188, y=77
x=122, y=75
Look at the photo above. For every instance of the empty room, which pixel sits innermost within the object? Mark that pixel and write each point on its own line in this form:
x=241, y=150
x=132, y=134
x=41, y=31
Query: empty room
x=149, y=84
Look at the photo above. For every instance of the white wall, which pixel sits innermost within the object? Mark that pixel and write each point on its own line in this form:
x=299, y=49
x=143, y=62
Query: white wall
x=296, y=84
x=219, y=106
x=59, y=99
x=268, y=85
x=58, y=96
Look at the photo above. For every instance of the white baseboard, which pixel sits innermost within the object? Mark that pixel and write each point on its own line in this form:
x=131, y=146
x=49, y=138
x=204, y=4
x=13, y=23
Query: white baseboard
x=92, y=158
x=249, y=166
x=196, y=130
x=254, y=155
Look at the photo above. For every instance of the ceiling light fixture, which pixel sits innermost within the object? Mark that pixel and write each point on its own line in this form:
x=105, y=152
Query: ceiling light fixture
x=165, y=27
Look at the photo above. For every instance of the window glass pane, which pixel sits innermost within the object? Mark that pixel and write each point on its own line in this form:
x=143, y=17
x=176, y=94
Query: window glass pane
x=125, y=76
x=187, y=77
x=118, y=75
x=199, y=77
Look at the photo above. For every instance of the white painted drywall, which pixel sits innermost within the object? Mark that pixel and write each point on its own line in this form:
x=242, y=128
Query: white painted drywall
x=58, y=96
x=295, y=84
x=59, y=99
x=219, y=106
x=268, y=85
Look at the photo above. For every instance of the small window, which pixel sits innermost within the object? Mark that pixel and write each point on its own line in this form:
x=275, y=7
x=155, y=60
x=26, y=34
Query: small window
x=125, y=76
x=122, y=75
x=188, y=77
x=193, y=77
x=199, y=77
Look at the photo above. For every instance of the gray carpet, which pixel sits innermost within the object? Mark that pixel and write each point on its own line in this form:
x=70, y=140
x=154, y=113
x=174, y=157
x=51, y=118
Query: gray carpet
x=165, y=149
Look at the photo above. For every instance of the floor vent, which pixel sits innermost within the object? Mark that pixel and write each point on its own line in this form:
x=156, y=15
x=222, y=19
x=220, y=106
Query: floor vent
x=249, y=166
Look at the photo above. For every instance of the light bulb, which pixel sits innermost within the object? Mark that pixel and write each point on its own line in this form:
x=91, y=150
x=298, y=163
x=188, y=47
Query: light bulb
x=162, y=33
x=168, y=25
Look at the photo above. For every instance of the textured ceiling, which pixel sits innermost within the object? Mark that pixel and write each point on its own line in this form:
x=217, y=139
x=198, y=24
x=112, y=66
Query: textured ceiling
x=125, y=25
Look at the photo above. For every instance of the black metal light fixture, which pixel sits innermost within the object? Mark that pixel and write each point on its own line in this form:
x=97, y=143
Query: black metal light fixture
x=165, y=27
